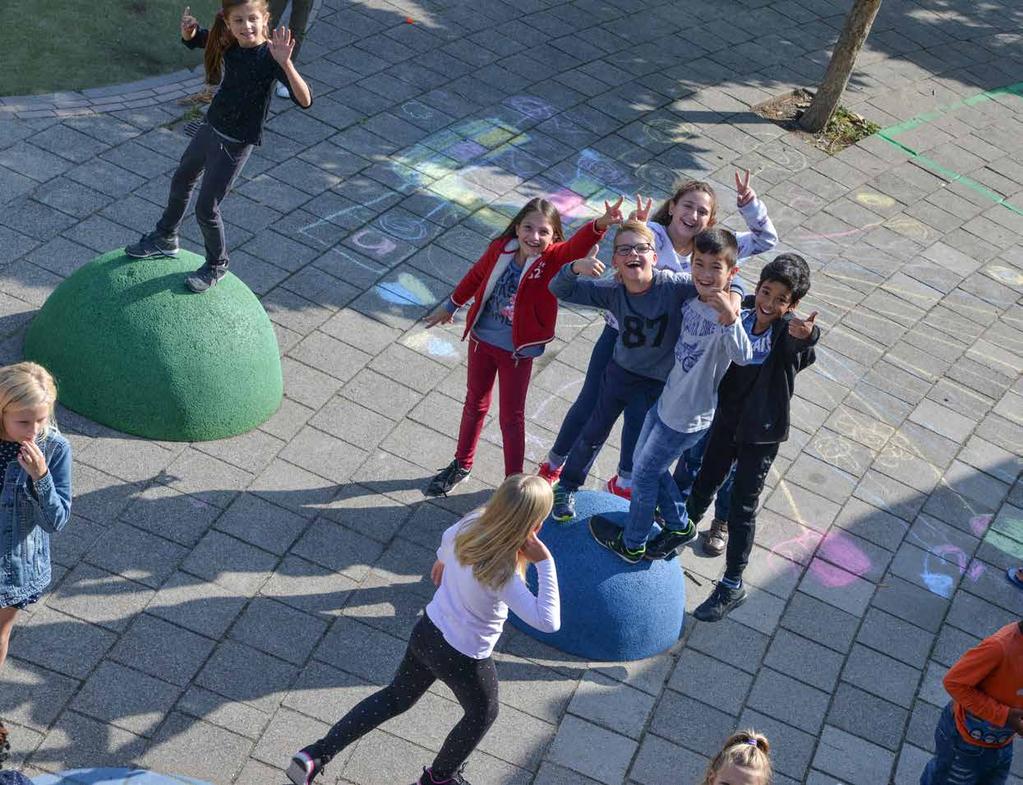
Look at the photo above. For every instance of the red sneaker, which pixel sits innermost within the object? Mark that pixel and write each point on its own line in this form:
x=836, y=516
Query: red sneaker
x=618, y=490
x=550, y=473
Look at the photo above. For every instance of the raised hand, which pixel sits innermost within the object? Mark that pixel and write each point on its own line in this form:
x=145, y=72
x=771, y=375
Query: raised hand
x=439, y=315
x=642, y=211
x=32, y=460
x=281, y=45
x=612, y=214
x=534, y=550
x=745, y=193
x=589, y=265
x=189, y=24
x=802, y=328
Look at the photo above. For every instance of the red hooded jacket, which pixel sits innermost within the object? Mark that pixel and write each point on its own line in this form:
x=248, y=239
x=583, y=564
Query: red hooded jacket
x=536, y=309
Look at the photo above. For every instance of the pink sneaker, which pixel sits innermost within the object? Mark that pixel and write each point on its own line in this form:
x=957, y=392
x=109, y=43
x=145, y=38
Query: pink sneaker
x=618, y=490
x=550, y=473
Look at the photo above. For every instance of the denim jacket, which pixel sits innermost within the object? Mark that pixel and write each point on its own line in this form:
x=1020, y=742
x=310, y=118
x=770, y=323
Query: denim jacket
x=29, y=513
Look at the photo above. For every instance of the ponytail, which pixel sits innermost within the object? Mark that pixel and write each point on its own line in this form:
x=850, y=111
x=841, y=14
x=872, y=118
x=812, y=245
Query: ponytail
x=747, y=749
x=219, y=40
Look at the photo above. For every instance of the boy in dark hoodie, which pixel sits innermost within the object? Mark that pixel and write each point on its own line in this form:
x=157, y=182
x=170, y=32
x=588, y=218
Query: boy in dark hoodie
x=752, y=417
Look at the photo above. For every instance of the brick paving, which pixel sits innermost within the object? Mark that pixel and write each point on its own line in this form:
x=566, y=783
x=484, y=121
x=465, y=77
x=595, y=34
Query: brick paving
x=214, y=603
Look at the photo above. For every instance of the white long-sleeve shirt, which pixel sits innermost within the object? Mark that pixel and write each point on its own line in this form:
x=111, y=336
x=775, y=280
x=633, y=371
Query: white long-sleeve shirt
x=471, y=616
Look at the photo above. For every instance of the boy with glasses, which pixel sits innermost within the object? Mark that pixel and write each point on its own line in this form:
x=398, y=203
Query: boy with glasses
x=647, y=305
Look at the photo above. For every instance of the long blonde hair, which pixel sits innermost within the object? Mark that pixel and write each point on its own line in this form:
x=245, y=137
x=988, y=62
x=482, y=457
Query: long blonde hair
x=26, y=384
x=491, y=543
x=745, y=748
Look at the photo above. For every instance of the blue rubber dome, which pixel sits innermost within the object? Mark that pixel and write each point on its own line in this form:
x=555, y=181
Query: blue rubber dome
x=610, y=610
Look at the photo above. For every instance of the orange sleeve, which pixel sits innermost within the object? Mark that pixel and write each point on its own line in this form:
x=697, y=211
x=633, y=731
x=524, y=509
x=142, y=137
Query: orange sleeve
x=973, y=667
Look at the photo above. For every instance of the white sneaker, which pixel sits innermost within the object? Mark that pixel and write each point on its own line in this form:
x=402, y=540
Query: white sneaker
x=282, y=91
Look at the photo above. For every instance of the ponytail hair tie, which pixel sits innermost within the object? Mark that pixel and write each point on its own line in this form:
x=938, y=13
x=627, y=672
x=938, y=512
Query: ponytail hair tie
x=220, y=13
x=752, y=742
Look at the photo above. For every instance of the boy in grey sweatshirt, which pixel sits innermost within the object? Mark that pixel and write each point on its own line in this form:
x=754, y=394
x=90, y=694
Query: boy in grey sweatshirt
x=711, y=339
x=648, y=305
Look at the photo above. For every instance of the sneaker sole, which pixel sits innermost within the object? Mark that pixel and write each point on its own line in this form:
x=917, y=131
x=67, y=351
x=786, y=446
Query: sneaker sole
x=562, y=518
x=298, y=774
x=669, y=555
x=166, y=254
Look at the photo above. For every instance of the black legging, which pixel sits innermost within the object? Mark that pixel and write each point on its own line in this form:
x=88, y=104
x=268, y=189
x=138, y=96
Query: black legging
x=428, y=657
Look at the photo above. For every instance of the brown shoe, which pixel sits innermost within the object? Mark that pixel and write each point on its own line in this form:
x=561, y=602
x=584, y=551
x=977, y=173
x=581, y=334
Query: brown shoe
x=716, y=538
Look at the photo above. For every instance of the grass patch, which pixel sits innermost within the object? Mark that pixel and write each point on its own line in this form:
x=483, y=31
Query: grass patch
x=845, y=128
x=58, y=45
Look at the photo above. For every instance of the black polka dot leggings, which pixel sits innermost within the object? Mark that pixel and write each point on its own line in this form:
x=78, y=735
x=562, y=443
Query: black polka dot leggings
x=428, y=657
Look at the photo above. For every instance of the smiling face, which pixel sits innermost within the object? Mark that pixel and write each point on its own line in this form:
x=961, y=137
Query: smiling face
x=774, y=300
x=731, y=774
x=25, y=424
x=634, y=260
x=690, y=214
x=535, y=234
x=248, y=23
x=711, y=272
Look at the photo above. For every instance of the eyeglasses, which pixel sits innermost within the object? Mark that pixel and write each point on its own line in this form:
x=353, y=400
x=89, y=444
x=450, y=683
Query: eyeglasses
x=640, y=248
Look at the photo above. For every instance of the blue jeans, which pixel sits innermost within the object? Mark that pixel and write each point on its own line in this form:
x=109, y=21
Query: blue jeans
x=652, y=484
x=957, y=762
x=689, y=466
x=586, y=401
x=619, y=391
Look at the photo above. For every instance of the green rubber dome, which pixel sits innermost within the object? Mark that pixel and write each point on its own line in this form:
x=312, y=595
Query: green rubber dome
x=133, y=349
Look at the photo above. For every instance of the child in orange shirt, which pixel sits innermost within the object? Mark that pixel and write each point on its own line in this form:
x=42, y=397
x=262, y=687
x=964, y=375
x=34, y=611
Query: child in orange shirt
x=973, y=740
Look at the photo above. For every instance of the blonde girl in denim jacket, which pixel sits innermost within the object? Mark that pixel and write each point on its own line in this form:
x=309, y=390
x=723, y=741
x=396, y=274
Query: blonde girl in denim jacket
x=35, y=497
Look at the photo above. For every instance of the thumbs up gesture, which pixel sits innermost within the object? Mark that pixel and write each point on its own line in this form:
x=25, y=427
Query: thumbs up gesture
x=589, y=265
x=802, y=328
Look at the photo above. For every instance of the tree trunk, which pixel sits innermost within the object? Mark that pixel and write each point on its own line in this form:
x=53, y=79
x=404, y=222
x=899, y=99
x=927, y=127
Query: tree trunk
x=843, y=59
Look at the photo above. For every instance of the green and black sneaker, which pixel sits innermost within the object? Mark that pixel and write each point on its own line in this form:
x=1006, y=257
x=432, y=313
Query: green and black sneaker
x=609, y=535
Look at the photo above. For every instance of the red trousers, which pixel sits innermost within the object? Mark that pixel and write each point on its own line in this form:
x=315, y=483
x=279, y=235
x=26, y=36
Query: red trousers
x=485, y=362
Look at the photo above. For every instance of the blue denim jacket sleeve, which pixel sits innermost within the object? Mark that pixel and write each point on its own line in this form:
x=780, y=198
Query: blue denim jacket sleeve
x=52, y=493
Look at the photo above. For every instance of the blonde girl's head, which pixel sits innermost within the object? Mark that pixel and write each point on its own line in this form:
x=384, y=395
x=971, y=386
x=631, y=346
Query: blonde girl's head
x=28, y=395
x=242, y=22
x=491, y=543
x=744, y=760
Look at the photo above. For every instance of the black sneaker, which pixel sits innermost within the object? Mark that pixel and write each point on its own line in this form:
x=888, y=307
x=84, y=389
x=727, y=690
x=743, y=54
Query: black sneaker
x=447, y=478
x=152, y=244
x=723, y=601
x=668, y=543
x=609, y=535
x=206, y=277
x=303, y=768
x=456, y=779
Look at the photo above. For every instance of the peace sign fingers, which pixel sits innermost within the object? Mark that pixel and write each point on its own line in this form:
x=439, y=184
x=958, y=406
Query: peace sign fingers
x=744, y=192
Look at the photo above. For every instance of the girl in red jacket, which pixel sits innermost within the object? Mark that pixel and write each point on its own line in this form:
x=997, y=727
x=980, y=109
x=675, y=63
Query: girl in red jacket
x=510, y=321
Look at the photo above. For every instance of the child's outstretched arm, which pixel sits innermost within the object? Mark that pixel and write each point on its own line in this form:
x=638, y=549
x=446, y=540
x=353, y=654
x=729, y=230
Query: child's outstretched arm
x=569, y=285
x=588, y=235
x=281, y=47
x=762, y=235
x=192, y=36
x=50, y=487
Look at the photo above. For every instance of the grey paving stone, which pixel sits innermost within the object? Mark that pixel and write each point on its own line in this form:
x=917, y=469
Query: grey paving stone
x=820, y=622
x=163, y=650
x=881, y=675
x=196, y=749
x=837, y=586
x=804, y=660
x=896, y=638
x=295, y=633
x=730, y=642
x=135, y=554
x=710, y=681
x=658, y=761
x=791, y=749
x=62, y=643
x=867, y=716
x=789, y=700
x=99, y=597
x=202, y=607
x=611, y=704
x=854, y=760
x=88, y=741
x=977, y=616
x=690, y=723
x=126, y=698
x=345, y=640
x=593, y=751
x=241, y=673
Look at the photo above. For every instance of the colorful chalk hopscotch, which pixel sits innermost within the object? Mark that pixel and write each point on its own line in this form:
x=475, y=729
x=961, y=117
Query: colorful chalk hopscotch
x=113, y=777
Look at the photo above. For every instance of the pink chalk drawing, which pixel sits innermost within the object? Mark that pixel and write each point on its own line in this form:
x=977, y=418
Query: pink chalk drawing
x=830, y=575
x=840, y=549
x=568, y=203
x=979, y=524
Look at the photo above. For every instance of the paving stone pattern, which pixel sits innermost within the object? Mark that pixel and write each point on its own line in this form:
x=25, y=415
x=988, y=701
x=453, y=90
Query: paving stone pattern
x=216, y=605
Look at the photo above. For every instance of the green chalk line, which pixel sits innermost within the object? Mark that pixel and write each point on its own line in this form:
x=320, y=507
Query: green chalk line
x=892, y=131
